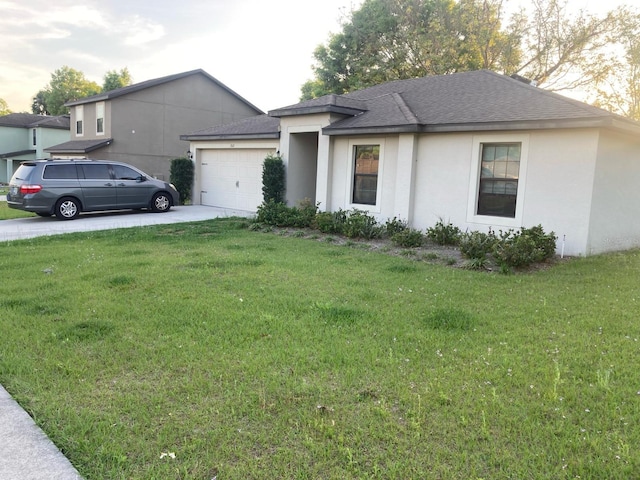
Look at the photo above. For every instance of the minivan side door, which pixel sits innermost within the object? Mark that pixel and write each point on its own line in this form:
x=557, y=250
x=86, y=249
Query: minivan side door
x=133, y=189
x=98, y=187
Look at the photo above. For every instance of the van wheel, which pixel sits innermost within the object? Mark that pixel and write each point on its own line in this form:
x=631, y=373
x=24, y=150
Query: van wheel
x=67, y=208
x=160, y=202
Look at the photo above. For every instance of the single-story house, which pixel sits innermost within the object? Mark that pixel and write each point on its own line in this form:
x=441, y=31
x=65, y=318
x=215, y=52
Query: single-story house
x=25, y=136
x=477, y=149
x=140, y=124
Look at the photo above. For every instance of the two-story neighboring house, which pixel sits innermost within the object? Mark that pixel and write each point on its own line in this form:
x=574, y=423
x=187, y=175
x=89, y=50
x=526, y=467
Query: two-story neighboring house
x=141, y=124
x=24, y=136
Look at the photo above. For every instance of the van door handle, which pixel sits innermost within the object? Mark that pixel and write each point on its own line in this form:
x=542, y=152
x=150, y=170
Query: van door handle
x=122, y=184
x=108, y=184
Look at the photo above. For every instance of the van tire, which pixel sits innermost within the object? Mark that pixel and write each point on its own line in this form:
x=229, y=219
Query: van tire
x=67, y=208
x=161, y=202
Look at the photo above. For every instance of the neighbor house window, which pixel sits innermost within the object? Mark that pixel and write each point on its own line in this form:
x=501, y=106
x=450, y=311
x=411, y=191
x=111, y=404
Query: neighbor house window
x=100, y=118
x=365, y=174
x=79, y=120
x=34, y=137
x=498, y=180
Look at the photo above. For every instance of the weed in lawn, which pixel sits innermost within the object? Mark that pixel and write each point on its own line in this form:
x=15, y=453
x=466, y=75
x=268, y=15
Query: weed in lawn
x=449, y=319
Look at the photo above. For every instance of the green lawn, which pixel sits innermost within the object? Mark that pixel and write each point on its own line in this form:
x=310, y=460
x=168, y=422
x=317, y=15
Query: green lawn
x=202, y=350
x=7, y=213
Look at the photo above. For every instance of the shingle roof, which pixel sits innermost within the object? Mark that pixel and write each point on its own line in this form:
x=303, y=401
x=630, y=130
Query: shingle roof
x=29, y=120
x=261, y=126
x=119, y=92
x=79, y=146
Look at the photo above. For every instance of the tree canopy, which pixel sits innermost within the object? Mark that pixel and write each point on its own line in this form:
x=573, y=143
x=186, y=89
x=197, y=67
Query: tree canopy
x=68, y=84
x=4, y=107
x=114, y=79
x=387, y=40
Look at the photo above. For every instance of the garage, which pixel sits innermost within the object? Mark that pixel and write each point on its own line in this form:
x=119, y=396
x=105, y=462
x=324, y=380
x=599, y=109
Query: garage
x=231, y=178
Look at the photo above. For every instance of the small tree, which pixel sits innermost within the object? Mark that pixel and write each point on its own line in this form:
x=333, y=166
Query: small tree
x=181, y=175
x=273, y=179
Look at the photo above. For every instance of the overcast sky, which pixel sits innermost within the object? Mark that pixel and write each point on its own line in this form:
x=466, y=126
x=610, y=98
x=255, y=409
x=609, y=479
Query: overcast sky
x=261, y=49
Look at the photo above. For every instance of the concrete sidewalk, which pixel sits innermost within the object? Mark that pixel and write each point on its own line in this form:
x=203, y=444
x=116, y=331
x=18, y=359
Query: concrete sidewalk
x=25, y=451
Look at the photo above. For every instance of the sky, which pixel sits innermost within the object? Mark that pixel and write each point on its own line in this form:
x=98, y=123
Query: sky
x=262, y=50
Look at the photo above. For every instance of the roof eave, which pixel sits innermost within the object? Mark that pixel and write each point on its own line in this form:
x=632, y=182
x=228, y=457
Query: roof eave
x=291, y=112
x=88, y=149
x=231, y=136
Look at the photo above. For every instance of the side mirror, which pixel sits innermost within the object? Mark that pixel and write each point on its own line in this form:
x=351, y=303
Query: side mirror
x=141, y=179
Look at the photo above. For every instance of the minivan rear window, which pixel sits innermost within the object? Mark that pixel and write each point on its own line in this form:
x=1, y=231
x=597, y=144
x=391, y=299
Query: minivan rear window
x=60, y=172
x=24, y=171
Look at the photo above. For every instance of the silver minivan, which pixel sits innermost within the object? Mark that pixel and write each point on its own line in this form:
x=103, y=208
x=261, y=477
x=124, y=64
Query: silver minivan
x=65, y=188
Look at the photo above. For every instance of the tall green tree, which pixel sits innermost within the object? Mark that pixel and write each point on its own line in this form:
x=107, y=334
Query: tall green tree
x=66, y=84
x=114, y=79
x=4, y=107
x=386, y=40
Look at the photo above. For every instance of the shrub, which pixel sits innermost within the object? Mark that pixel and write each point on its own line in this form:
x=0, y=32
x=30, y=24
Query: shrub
x=477, y=245
x=359, y=224
x=273, y=179
x=444, y=234
x=272, y=213
x=181, y=175
x=524, y=248
x=395, y=225
x=408, y=238
x=331, y=222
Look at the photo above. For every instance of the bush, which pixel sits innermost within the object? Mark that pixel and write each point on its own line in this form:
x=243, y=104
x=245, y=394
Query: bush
x=395, y=225
x=524, y=248
x=273, y=179
x=181, y=174
x=279, y=215
x=331, y=222
x=477, y=245
x=408, y=238
x=444, y=234
x=359, y=224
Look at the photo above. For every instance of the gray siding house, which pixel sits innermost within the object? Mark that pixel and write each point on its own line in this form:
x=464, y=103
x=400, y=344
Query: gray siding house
x=141, y=124
x=24, y=136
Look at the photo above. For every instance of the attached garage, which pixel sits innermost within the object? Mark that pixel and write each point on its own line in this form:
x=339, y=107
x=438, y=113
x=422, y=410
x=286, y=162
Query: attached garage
x=232, y=178
x=228, y=167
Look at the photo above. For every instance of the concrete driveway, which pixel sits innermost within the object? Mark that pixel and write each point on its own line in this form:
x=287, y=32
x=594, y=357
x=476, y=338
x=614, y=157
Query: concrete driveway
x=37, y=226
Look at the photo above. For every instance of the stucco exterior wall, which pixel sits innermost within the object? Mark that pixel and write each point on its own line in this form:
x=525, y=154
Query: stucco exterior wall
x=615, y=216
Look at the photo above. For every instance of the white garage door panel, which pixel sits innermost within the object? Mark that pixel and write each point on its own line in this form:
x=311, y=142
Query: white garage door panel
x=232, y=178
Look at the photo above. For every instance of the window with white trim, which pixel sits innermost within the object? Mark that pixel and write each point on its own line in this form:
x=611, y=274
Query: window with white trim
x=498, y=183
x=79, y=120
x=366, y=161
x=100, y=118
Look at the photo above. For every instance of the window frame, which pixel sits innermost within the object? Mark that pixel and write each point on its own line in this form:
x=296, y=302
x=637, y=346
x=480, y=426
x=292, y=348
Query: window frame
x=475, y=176
x=100, y=118
x=363, y=142
x=79, y=120
x=34, y=137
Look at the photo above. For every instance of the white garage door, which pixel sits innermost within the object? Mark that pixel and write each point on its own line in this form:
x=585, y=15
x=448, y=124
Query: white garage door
x=232, y=178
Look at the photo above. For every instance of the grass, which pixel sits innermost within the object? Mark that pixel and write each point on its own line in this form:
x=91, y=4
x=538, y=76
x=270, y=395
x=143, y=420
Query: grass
x=206, y=350
x=7, y=213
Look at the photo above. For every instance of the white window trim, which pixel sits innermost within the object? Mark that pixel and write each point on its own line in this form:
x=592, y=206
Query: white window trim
x=80, y=117
x=34, y=137
x=98, y=105
x=377, y=208
x=474, y=180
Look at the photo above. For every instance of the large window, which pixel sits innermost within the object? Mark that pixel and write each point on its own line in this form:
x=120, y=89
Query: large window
x=365, y=174
x=100, y=118
x=499, y=175
x=79, y=120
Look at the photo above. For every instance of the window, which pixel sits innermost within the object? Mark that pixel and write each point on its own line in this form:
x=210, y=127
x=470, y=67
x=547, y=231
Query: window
x=125, y=173
x=100, y=118
x=60, y=172
x=499, y=174
x=96, y=171
x=34, y=137
x=365, y=174
x=79, y=120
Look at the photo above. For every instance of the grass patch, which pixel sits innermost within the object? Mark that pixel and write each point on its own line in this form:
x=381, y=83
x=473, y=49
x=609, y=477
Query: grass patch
x=7, y=213
x=206, y=349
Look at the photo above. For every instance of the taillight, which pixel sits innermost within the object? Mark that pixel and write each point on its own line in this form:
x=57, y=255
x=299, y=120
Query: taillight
x=27, y=189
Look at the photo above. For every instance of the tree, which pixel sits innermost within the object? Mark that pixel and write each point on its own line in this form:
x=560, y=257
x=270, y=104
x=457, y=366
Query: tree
x=114, y=79
x=181, y=176
x=4, y=107
x=66, y=84
x=396, y=39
